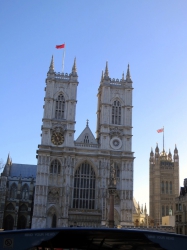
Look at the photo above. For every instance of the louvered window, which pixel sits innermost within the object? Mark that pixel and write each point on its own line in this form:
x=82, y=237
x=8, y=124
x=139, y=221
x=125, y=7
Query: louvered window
x=60, y=107
x=116, y=113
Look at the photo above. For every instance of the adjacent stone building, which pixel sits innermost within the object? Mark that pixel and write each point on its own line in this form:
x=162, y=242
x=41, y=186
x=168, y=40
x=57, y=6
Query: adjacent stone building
x=181, y=210
x=73, y=175
x=16, y=195
x=163, y=183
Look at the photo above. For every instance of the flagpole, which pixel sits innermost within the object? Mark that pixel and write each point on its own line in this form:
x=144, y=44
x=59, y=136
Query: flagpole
x=63, y=57
x=163, y=138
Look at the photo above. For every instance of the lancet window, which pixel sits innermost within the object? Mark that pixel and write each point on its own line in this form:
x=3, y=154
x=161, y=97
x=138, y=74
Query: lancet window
x=116, y=113
x=170, y=187
x=60, y=107
x=163, y=211
x=25, y=192
x=86, y=139
x=84, y=187
x=166, y=187
x=13, y=191
x=162, y=187
x=55, y=167
x=167, y=210
x=117, y=169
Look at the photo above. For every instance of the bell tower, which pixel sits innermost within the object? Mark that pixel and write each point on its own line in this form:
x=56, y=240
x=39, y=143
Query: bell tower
x=58, y=127
x=114, y=136
x=114, y=112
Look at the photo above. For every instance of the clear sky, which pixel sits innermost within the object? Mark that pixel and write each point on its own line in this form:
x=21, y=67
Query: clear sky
x=149, y=35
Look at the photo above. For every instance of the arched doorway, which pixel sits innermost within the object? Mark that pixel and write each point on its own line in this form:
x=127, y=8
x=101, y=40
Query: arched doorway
x=53, y=224
x=8, y=222
x=22, y=222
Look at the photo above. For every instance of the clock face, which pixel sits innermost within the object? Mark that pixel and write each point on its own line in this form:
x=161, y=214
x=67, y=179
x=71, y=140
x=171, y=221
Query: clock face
x=57, y=138
x=116, y=143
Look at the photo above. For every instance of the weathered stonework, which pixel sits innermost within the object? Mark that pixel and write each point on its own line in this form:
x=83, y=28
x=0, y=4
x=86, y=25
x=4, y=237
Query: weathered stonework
x=58, y=199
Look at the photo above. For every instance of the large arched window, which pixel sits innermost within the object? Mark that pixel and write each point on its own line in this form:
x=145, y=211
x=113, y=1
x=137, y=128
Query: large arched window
x=60, y=107
x=25, y=192
x=10, y=207
x=55, y=167
x=13, y=191
x=116, y=113
x=84, y=187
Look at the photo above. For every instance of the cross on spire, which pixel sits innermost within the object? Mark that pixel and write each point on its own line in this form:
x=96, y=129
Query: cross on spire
x=87, y=121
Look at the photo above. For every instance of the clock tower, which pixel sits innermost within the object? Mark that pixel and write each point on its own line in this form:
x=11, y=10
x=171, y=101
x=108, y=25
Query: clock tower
x=58, y=127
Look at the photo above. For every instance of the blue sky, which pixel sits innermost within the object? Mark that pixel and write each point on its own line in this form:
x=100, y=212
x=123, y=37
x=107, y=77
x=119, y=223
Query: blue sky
x=149, y=35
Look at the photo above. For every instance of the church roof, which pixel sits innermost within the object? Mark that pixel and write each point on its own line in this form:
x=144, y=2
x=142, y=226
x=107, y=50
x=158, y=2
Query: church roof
x=134, y=206
x=24, y=170
x=86, y=136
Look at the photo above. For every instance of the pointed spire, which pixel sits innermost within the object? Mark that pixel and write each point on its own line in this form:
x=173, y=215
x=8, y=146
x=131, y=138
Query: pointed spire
x=106, y=70
x=128, y=76
x=8, y=162
x=145, y=209
x=123, y=76
x=74, y=68
x=102, y=76
x=51, y=67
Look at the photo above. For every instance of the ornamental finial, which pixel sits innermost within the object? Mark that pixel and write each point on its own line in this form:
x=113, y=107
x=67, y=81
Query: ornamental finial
x=128, y=76
x=51, y=67
x=106, y=70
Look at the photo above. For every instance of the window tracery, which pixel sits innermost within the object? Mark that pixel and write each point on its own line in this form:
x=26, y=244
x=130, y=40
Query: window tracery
x=60, y=107
x=116, y=112
x=13, y=191
x=84, y=187
x=55, y=167
x=25, y=192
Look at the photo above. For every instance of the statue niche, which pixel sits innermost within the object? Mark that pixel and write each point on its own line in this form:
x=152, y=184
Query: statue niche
x=53, y=195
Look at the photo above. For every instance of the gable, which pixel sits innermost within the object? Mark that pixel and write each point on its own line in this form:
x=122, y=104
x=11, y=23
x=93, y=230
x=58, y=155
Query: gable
x=86, y=137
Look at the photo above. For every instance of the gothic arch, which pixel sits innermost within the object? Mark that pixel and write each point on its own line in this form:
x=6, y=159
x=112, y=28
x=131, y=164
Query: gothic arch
x=116, y=98
x=10, y=207
x=55, y=166
x=23, y=208
x=55, y=96
x=79, y=162
x=52, y=216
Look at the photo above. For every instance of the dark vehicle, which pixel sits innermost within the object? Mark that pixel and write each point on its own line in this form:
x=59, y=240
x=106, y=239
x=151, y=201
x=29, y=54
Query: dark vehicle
x=90, y=238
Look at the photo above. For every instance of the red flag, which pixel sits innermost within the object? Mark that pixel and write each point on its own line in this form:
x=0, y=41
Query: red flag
x=160, y=130
x=60, y=46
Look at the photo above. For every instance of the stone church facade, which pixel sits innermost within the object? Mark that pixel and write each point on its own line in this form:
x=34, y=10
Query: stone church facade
x=73, y=175
x=17, y=183
x=163, y=184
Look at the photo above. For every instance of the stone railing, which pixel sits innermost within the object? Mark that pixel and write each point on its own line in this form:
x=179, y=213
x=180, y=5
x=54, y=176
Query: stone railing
x=86, y=145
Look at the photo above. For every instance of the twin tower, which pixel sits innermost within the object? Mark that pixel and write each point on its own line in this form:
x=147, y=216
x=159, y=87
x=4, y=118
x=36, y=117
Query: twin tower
x=73, y=176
